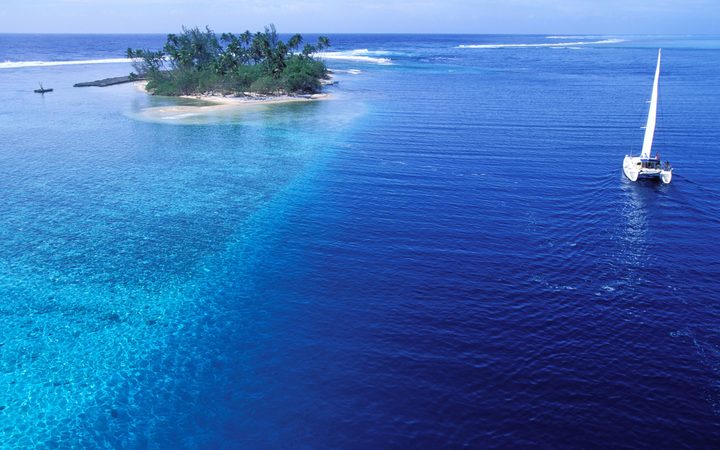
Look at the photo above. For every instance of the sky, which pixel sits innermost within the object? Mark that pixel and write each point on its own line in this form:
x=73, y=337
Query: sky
x=368, y=16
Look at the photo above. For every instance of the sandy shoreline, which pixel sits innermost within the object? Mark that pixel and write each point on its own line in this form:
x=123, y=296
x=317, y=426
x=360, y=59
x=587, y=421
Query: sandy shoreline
x=250, y=99
x=212, y=104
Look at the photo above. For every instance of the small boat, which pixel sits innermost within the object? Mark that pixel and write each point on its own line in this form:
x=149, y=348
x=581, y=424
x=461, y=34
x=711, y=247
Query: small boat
x=42, y=90
x=645, y=166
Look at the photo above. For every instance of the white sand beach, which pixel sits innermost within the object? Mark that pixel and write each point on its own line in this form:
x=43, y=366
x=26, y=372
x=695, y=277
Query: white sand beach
x=216, y=103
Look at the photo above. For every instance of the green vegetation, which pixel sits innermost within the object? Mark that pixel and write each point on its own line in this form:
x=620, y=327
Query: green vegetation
x=197, y=62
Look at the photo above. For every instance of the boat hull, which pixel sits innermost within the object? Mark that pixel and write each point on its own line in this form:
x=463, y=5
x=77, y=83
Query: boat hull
x=666, y=176
x=629, y=168
x=634, y=171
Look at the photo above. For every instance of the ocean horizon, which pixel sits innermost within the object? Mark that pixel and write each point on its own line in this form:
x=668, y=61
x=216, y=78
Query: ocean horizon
x=443, y=253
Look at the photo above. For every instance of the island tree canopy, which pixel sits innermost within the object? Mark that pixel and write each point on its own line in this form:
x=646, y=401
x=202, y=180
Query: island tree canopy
x=198, y=62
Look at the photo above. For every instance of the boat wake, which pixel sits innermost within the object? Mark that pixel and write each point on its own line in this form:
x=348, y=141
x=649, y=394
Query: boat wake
x=709, y=355
x=551, y=44
x=23, y=64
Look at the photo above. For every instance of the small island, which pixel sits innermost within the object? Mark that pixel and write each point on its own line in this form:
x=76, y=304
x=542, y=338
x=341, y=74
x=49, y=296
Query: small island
x=198, y=63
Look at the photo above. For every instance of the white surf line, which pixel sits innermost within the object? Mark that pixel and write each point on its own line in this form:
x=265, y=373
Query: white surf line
x=22, y=64
x=361, y=55
x=553, y=44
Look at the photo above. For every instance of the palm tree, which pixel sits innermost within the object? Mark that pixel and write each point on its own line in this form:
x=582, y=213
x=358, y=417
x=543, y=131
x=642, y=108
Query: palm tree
x=259, y=47
x=308, y=50
x=277, y=60
x=246, y=37
x=295, y=41
x=322, y=43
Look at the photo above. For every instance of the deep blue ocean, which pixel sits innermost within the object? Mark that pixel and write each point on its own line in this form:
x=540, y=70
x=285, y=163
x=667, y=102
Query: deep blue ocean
x=444, y=254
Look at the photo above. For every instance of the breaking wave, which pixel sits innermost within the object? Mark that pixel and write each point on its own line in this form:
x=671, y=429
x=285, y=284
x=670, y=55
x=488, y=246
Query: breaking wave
x=362, y=55
x=553, y=44
x=349, y=71
x=21, y=64
x=579, y=36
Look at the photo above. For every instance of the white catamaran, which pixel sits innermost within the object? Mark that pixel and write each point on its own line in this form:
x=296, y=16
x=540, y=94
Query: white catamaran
x=643, y=166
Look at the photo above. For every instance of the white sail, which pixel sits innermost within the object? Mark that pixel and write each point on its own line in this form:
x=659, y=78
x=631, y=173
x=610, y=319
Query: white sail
x=652, y=115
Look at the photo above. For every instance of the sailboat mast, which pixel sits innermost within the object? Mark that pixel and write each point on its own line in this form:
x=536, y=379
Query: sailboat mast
x=652, y=114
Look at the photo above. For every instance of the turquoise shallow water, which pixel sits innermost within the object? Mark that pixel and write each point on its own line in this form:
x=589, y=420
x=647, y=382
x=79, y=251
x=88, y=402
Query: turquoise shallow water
x=118, y=235
x=445, y=254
